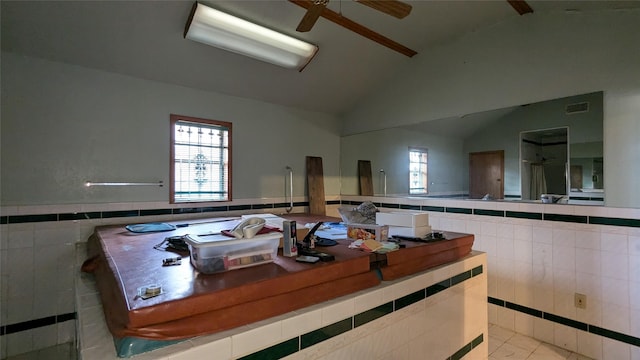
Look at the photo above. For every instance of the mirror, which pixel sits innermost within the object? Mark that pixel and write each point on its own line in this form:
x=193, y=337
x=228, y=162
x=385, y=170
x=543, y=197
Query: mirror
x=544, y=156
x=450, y=141
x=586, y=173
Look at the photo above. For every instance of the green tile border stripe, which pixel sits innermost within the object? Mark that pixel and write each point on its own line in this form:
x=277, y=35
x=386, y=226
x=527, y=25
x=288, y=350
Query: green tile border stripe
x=614, y=221
x=432, y=208
x=498, y=213
x=409, y=299
x=522, y=308
x=566, y=218
x=36, y=323
x=314, y=337
x=373, y=314
x=325, y=333
x=593, y=329
x=467, y=348
x=456, y=210
x=275, y=352
x=89, y=215
x=17, y=219
x=614, y=335
x=476, y=271
x=390, y=206
x=581, y=219
x=524, y=215
x=410, y=207
x=566, y=321
x=436, y=288
x=455, y=280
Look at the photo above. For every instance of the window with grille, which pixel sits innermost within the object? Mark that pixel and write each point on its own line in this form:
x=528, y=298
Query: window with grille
x=418, y=170
x=200, y=160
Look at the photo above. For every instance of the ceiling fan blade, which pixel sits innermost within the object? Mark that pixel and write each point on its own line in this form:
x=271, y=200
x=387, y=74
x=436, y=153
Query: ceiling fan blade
x=357, y=28
x=520, y=6
x=311, y=16
x=394, y=8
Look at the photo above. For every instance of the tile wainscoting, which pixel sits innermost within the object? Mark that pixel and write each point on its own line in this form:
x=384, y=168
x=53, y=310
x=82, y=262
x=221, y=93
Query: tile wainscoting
x=539, y=255
x=38, y=259
x=437, y=314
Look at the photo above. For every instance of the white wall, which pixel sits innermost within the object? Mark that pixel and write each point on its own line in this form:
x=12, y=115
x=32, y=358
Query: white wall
x=63, y=125
x=388, y=150
x=622, y=148
x=527, y=59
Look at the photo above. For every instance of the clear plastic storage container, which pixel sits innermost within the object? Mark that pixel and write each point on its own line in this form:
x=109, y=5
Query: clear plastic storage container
x=218, y=253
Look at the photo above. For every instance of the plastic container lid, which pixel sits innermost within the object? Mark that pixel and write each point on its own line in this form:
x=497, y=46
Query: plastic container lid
x=223, y=240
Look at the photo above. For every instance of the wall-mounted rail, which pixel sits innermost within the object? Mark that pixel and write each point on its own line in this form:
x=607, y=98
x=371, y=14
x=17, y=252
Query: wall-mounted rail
x=290, y=176
x=96, y=183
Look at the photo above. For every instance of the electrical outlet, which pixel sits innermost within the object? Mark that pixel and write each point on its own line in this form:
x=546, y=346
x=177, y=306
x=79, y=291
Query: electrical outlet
x=580, y=301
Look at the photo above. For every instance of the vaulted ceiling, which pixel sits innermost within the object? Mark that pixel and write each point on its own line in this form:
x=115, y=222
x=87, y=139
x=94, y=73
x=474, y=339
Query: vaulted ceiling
x=145, y=39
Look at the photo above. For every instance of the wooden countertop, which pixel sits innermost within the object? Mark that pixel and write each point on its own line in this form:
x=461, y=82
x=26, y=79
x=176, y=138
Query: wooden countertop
x=194, y=304
x=414, y=257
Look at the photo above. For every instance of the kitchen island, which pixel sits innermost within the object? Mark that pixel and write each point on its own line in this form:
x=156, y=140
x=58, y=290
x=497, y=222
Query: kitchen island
x=446, y=303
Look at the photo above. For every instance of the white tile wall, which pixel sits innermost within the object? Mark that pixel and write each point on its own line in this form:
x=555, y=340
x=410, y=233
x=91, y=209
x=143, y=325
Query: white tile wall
x=37, y=266
x=541, y=264
x=546, y=262
x=530, y=262
x=37, y=282
x=435, y=327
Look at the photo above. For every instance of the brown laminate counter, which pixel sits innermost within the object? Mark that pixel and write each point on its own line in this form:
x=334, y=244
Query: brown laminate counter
x=414, y=256
x=194, y=304
x=417, y=256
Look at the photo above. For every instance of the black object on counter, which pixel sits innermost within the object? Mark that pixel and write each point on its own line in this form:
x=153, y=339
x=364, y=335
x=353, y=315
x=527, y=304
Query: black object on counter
x=311, y=252
x=305, y=248
x=430, y=237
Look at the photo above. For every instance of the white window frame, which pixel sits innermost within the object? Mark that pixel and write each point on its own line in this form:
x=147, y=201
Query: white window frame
x=418, y=170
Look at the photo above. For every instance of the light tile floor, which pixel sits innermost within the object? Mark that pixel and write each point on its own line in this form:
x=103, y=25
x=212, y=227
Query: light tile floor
x=59, y=352
x=507, y=345
x=503, y=345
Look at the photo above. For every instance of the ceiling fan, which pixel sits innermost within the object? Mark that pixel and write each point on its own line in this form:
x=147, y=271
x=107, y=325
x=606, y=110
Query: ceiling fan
x=318, y=8
x=396, y=8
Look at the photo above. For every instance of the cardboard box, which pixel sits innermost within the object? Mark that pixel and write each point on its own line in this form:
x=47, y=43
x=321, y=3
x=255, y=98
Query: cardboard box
x=406, y=219
x=367, y=232
x=420, y=231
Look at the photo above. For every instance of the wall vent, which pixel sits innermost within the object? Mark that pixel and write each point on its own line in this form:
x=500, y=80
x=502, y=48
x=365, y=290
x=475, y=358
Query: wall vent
x=577, y=108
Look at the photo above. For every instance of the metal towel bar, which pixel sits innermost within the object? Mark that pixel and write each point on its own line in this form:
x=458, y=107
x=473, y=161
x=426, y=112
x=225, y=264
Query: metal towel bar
x=95, y=183
x=290, y=173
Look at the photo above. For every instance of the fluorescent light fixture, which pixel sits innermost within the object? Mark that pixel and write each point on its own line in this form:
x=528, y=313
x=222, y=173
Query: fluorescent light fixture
x=212, y=27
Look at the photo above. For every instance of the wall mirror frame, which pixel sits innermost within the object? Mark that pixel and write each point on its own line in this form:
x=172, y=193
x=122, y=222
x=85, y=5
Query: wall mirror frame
x=451, y=140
